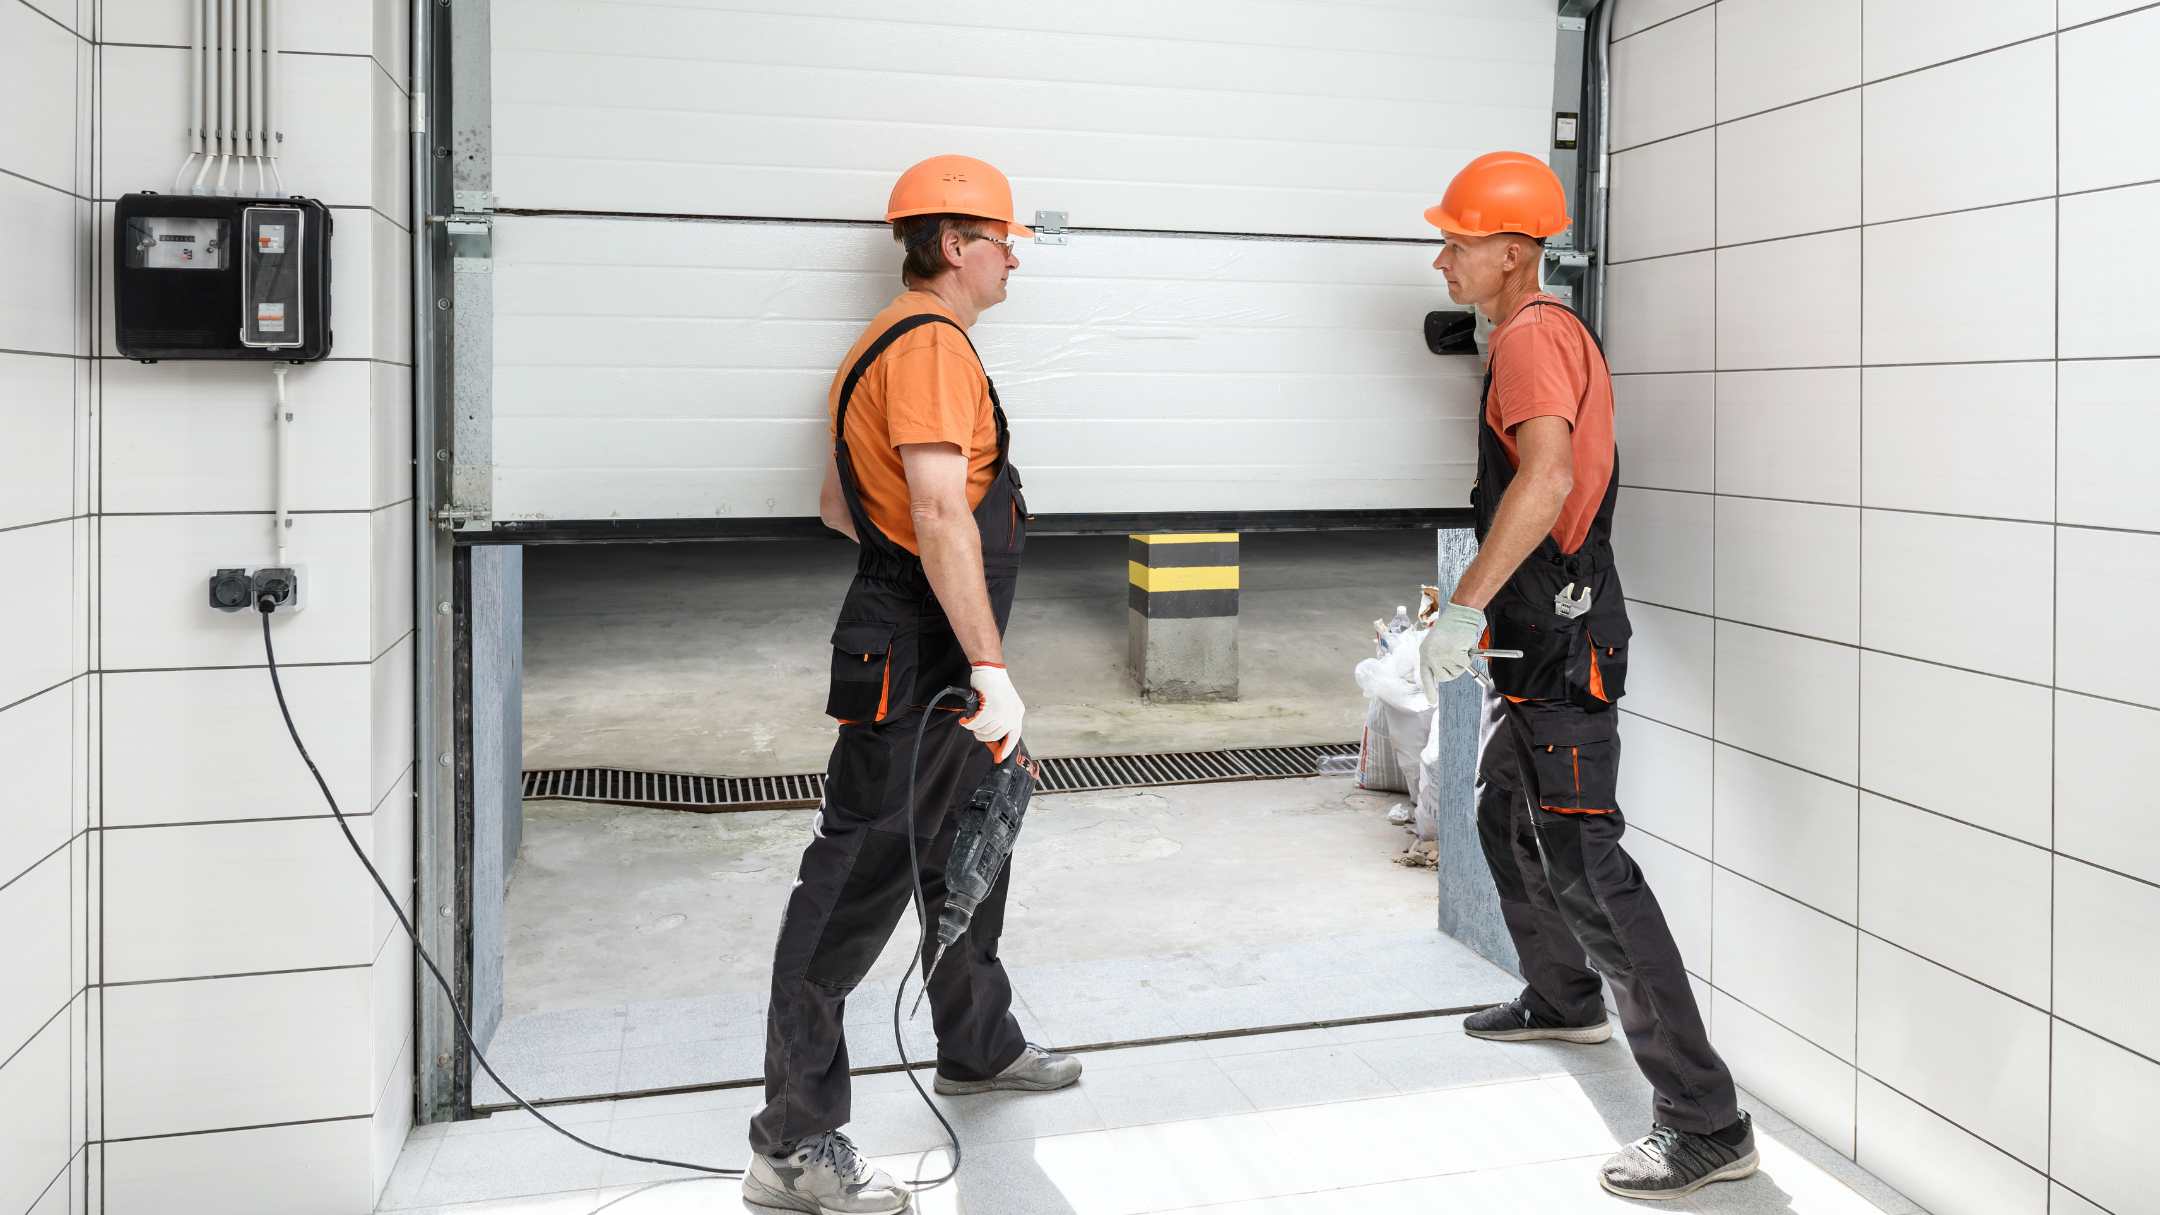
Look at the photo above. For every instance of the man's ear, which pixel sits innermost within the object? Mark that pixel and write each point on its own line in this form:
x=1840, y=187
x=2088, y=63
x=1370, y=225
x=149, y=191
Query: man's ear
x=952, y=242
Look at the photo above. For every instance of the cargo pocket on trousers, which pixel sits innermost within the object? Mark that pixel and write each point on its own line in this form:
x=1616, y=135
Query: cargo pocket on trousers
x=862, y=672
x=1577, y=756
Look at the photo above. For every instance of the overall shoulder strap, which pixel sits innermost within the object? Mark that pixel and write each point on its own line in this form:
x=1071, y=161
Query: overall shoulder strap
x=899, y=329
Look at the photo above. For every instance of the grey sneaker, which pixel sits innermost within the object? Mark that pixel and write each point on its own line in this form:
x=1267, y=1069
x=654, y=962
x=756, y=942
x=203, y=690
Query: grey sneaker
x=1037, y=1070
x=824, y=1175
x=1514, y=1022
x=1670, y=1163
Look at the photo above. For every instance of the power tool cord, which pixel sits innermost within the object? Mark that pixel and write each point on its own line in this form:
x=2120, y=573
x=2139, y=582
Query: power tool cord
x=465, y=1027
x=922, y=941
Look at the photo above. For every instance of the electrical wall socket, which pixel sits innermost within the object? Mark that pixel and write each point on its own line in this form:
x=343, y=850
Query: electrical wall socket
x=239, y=589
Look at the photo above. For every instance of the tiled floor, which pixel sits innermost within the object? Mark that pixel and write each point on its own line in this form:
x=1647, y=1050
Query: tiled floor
x=1399, y=1116
x=670, y=1044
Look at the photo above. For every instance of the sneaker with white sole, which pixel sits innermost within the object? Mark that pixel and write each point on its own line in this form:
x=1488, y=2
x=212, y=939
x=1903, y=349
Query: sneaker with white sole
x=1669, y=1163
x=1037, y=1070
x=1514, y=1022
x=824, y=1175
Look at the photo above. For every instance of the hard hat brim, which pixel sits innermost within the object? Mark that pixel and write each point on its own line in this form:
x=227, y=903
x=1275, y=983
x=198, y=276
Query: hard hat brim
x=1439, y=217
x=1012, y=227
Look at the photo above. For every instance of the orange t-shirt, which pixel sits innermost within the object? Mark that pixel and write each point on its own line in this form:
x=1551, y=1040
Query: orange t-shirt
x=927, y=387
x=1545, y=365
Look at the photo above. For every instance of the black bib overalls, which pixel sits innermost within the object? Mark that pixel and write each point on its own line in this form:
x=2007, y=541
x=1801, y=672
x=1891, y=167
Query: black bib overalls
x=1549, y=812
x=893, y=652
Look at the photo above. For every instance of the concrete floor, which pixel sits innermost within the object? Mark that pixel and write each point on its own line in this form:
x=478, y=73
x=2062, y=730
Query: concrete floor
x=713, y=658
x=1400, y=1116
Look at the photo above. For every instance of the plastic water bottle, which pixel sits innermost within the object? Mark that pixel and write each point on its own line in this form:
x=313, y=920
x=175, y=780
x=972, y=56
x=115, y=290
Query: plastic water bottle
x=1401, y=623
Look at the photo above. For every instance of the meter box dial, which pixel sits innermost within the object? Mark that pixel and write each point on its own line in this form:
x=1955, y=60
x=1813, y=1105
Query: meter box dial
x=200, y=277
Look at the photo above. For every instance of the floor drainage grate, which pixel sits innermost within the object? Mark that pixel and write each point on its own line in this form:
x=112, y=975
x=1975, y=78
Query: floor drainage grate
x=1067, y=774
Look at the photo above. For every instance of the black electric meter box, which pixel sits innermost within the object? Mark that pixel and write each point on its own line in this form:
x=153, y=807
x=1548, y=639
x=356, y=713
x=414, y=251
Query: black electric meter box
x=203, y=277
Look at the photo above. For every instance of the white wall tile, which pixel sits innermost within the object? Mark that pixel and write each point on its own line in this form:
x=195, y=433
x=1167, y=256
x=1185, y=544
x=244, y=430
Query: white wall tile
x=391, y=1001
x=184, y=901
x=2101, y=920
x=1941, y=290
x=393, y=39
x=85, y=903
x=1662, y=542
x=390, y=293
x=2109, y=107
x=342, y=28
x=199, y=437
x=1967, y=592
x=1665, y=782
x=1906, y=34
x=2107, y=314
x=2101, y=648
x=391, y=434
x=392, y=615
x=1773, y=53
x=1789, y=303
x=391, y=847
x=38, y=313
x=33, y=1117
x=1791, y=963
x=392, y=1125
x=1789, y=565
x=214, y=1053
x=1662, y=80
x=391, y=687
x=1666, y=429
x=1681, y=881
x=2109, y=444
x=37, y=77
x=1938, y=1165
x=2099, y=1141
x=1664, y=197
x=1660, y=315
x=38, y=557
x=1633, y=18
x=197, y=737
x=37, y=799
x=34, y=907
x=1975, y=902
x=1962, y=440
x=321, y=1169
x=37, y=462
x=1790, y=171
x=1804, y=1082
x=2078, y=12
x=1790, y=830
x=2063, y=1202
x=1908, y=1043
x=1790, y=434
x=1973, y=133
x=1791, y=698
x=1669, y=669
x=329, y=104
x=156, y=571
x=2103, y=783
x=1921, y=726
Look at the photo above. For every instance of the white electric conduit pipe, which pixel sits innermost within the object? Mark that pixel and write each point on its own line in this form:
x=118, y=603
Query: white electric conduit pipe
x=1601, y=49
x=207, y=94
x=229, y=52
x=273, y=136
x=247, y=87
x=195, y=132
x=282, y=419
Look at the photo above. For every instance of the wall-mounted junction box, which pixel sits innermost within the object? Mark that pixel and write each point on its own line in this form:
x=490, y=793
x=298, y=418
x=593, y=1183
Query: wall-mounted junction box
x=197, y=277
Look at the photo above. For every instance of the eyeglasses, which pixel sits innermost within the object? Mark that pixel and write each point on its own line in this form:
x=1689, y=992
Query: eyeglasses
x=1006, y=244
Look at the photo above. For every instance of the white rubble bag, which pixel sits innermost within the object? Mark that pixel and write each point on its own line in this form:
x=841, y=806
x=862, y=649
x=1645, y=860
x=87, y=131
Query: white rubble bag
x=1398, y=719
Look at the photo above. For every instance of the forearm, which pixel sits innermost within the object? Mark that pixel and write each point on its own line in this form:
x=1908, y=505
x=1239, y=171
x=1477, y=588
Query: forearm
x=1526, y=516
x=952, y=557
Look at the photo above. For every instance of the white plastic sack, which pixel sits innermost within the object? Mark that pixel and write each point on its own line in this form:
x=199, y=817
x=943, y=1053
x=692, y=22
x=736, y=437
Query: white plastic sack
x=1397, y=718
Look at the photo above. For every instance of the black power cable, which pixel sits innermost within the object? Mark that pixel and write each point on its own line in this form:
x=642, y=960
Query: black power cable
x=265, y=607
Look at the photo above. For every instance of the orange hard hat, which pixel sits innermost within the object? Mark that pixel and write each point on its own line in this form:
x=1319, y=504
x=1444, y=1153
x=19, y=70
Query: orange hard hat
x=955, y=185
x=1503, y=192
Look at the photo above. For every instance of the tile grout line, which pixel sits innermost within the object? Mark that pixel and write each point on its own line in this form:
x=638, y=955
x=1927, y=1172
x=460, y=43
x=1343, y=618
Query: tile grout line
x=2054, y=614
x=1860, y=585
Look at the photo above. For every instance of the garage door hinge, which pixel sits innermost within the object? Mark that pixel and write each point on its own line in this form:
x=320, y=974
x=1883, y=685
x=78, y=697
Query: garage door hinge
x=471, y=236
x=1049, y=227
x=452, y=518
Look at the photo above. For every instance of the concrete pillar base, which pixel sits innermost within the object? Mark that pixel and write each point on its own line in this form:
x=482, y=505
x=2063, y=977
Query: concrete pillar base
x=1182, y=629
x=1184, y=661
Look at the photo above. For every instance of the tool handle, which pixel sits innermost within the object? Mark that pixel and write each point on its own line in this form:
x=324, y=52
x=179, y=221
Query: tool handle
x=1496, y=653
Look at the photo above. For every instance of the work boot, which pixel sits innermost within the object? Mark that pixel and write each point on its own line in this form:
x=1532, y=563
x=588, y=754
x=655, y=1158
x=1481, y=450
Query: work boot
x=823, y=1175
x=1037, y=1070
x=1514, y=1022
x=1671, y=1163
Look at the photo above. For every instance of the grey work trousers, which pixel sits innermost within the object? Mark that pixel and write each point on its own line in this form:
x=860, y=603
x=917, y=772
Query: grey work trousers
x=1567, y=890
x=851, y=890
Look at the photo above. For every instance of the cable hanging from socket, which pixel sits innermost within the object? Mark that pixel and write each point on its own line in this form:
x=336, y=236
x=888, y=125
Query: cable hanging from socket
x=236, y=101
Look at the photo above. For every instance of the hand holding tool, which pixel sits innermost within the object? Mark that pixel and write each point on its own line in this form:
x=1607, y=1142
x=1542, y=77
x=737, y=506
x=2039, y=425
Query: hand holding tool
x=996, y=712
x=1445, y=653
x=989, y=826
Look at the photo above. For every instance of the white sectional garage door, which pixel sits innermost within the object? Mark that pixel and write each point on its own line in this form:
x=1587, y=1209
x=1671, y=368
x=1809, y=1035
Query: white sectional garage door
x=1236, y=326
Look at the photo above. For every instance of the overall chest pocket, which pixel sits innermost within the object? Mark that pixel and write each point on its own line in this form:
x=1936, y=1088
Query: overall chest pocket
x=867, y=680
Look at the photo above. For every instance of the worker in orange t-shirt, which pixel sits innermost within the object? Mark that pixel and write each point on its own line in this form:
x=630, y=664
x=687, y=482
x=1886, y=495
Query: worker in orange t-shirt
x=1544, y=583
x=921, y=478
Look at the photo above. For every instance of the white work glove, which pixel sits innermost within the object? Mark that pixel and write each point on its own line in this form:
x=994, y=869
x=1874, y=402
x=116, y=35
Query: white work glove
x=1445, y=654
x=997, y=721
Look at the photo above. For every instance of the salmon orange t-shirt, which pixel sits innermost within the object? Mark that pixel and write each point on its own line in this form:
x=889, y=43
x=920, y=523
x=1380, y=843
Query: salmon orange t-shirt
x=928, y=387
x=1545, y=365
